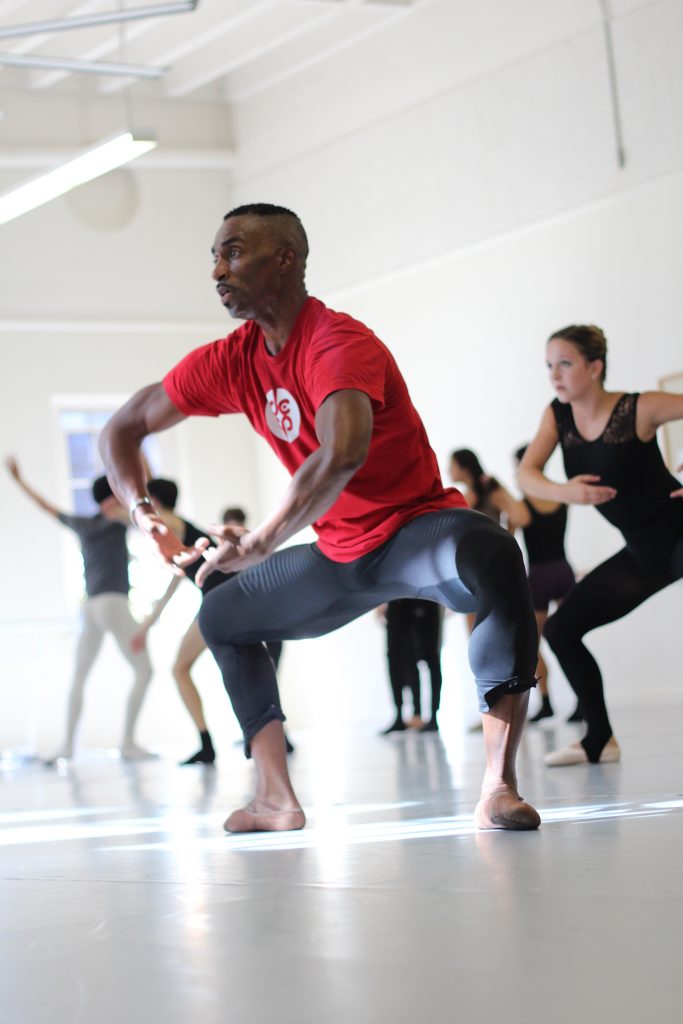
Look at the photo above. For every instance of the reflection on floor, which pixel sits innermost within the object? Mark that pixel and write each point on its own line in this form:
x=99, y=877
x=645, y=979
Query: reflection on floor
x=122, y=899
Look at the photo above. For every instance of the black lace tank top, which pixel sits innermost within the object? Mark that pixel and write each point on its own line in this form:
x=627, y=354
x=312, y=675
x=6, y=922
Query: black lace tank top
x=650, y=520
x=544, y=536
x=192, y=535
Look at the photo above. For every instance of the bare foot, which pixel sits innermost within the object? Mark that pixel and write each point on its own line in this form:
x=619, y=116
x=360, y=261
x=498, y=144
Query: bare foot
x=504, y=808
x=260, y=816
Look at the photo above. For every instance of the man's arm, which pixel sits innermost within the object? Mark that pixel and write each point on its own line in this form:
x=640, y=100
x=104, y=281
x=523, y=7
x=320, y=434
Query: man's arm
x=14, y=471
x=147, y=412
x=344, y=428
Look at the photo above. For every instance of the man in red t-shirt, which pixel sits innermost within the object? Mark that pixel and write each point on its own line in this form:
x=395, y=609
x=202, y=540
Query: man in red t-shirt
x=328, y=397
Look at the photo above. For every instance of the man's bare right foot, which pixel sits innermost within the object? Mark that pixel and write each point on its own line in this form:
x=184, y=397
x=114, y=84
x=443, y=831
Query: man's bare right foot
x=504, y=809
x=260, y=816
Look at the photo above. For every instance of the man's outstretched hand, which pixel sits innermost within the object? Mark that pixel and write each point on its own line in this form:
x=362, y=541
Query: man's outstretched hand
x=168, y=546
x=235, y=551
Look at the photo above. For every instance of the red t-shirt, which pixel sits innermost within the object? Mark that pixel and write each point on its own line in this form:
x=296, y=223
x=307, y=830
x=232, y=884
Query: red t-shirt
x=280, y=394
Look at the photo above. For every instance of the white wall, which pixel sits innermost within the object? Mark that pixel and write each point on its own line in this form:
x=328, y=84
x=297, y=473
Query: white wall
x=482, y=211
x=95, y=312
x=458, y=181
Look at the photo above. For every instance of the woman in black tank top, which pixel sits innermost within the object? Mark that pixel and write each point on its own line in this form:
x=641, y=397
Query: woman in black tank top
x=612, y=461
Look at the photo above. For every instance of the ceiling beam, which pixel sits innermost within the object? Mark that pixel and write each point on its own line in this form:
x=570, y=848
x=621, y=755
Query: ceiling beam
x=75, y=66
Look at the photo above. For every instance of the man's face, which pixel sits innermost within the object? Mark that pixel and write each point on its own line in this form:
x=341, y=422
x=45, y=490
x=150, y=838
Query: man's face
x=246, y=266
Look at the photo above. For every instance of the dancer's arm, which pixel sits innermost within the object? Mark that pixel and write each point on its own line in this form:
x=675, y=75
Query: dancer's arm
x=147, y=412
x=580, y=490
x=515, y=512
x=139, y=638
x=678, y=493
x=344, y=427
x=655, y=408
x=14, y=471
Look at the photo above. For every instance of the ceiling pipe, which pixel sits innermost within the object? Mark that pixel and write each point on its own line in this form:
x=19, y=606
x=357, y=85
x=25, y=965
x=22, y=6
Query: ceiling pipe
x=104, y=18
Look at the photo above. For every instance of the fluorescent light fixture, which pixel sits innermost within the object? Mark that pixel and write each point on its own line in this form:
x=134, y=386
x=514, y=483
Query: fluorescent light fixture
x=94, y=162
x=105, y=18
x=89, y=67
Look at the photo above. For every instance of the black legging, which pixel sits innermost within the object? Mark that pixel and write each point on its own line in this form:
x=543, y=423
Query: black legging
x=606, y=594
x=414, y=634
x=457, y=558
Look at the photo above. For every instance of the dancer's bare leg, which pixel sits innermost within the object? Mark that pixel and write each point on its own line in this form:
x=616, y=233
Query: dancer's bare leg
x=274, y=808
x=501, y=805
x=123, y=627
x=191, y=647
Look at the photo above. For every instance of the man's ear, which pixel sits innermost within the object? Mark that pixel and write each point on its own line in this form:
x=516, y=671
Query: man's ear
x=287, y=258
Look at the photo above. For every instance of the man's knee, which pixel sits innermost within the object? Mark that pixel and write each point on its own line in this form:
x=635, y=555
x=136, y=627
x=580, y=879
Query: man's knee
x=489, y=552
x=214, y=624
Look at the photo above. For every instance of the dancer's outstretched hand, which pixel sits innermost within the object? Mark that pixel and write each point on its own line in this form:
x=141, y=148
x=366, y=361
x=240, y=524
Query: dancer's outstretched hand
x=169, y=548
x=138, y=641
x=234, y=552
x=584, y=490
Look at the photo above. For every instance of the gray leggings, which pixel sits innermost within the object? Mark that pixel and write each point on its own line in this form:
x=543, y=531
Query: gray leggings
x=458, y=558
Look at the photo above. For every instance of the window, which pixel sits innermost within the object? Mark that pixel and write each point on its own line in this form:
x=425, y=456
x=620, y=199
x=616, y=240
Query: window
x=81, y=419
x=81, y=429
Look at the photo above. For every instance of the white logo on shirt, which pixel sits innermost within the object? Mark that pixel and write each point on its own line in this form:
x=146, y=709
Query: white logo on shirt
x=282, y=414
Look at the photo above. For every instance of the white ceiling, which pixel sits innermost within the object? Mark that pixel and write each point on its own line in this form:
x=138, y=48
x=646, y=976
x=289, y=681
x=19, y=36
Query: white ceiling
x=212, y=58
x=237, y=46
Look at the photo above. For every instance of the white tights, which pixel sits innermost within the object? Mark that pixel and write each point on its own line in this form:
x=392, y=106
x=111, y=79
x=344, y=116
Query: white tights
x=107, y=613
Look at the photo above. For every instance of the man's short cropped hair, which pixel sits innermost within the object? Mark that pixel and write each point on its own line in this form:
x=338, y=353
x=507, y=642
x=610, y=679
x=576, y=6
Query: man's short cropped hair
x=295, y=233
x=261, y=210
x=101, y=490
x=165, y=491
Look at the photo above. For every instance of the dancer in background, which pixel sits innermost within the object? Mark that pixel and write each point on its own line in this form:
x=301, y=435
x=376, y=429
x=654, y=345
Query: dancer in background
x=413, y=635
x=483, y=492
x=164, y=495
x=105, y=561
x=551, y=577
x=327, y=395
x=612, y=460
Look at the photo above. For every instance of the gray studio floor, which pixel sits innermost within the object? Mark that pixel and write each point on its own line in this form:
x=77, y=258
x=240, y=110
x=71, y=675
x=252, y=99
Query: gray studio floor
x=122, y=901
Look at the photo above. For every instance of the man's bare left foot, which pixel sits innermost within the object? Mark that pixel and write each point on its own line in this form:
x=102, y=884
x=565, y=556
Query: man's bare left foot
x=260, y=816
x=505, y=809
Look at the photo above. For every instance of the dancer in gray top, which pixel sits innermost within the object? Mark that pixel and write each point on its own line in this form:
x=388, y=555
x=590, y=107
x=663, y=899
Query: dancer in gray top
x=105, y=561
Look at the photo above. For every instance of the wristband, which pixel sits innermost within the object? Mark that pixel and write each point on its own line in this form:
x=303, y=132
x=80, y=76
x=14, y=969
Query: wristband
x=135, y=505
